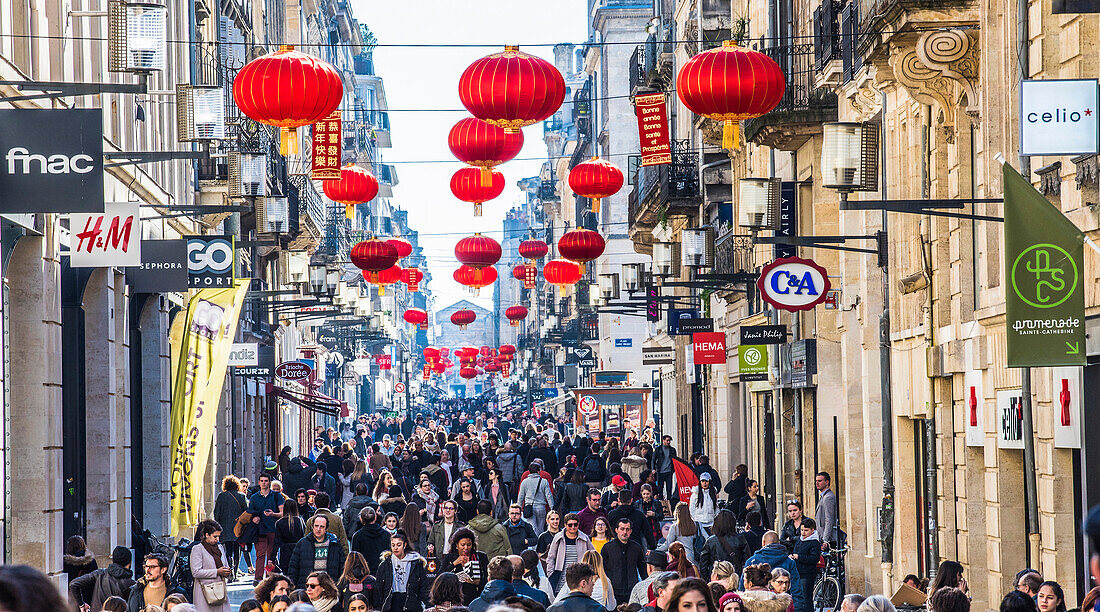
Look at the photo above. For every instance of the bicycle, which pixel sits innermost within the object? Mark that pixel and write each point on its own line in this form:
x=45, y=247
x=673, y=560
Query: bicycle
x=829, y=588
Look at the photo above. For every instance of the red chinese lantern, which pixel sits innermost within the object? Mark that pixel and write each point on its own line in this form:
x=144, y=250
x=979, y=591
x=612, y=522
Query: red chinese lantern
x=532, y=250
x=404, y=247
x=519, y=272
x=468, y=373
x=412, y=277
x=355, y=186
x=485, y=351
x=439, y=367
x=511, y=89
x=466, y=185
x=416, y=316
x=492, y=366
x=561, y=273
x=581, y=245
x=373, y=256
x=596, y=178
x=478, y=252
x=475, y=279
x=483, y=145
x=515, y=314
x=729, y=84
x=463, y=317
x=507, y=349
x=444, y=351
x=288, y=89
x=388, y=276
x=431, y=353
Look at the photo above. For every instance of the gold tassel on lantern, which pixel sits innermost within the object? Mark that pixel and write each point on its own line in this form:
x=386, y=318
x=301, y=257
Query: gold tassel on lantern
x=486, y=176
x=596, y=205
x=730, y=135
x=288, y=141
x=349, y=211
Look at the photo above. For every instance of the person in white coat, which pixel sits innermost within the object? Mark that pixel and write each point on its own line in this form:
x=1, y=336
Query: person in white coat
x=209, y=565
x=704, y=502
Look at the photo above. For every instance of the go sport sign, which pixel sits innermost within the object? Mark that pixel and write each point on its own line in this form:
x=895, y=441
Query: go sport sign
x=793, y=284
x=51, y=160
x=210, y=261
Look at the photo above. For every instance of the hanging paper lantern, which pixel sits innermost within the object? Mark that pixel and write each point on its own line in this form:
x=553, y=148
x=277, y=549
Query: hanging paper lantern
x=596, y=178
x=533, y=249
x=478, y=252
x=492, y=366
x=581, y=245
x=475, y=279
x=439, y=367
x=355, y=186
x=431, y=353
x=388, y=276
x=466, y=185
x=463, y=317
x=511, y=89
x=515, y=314
x=729, y=84
x=444, y=351
x=412, y=277
x=372, y=256
x=483, y=145
x=468, y=373
x=519, y=272
x=484, y=351
x=404, y=247
x=417, y=317
x=561, y=273
x=507, y=349
x=288, y=89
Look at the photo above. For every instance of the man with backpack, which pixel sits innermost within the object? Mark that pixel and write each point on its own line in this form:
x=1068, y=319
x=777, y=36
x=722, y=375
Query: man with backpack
x=595, y=472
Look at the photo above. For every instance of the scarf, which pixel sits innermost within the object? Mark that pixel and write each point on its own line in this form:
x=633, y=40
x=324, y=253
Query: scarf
x=215, y=552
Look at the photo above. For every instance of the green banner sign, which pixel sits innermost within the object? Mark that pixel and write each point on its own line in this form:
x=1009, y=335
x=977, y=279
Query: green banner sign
x=1044, y=278
x=752, y=361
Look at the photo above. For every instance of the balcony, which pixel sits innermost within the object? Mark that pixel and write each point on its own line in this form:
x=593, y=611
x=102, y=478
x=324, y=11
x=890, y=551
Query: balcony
x=879, y=23
x=652, y=64
x=662, y=191
x=804, y=107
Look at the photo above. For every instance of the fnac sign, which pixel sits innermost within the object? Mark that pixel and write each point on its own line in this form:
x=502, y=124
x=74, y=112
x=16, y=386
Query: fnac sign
x=793, y=283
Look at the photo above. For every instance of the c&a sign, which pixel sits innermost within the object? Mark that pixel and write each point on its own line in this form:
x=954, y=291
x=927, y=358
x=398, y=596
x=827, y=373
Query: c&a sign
x=109, y=238
x=793, y=283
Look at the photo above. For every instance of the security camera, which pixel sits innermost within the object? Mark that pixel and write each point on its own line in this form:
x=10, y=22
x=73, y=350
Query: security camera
x=912, y=283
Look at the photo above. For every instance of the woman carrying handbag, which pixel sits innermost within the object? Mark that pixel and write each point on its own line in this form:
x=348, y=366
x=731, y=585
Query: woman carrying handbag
x=210, y=568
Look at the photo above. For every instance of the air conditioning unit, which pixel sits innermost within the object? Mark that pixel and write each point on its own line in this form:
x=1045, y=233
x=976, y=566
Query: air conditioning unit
x=136, y=36
x=200, y=112
x=247, y=174
x=273, y=214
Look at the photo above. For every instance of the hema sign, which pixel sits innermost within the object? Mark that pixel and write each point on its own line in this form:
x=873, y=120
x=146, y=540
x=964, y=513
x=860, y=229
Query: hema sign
x=1058, y=117
x=51, y=160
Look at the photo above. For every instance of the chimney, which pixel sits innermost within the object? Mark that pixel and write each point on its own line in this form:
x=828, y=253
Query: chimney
x=563, y=58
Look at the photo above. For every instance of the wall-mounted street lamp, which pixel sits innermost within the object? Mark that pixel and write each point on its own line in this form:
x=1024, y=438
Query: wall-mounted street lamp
x=317, y=274
x=758, y=203
x=608, y=285
x=666, y=259
x=200, y=112
x=697, y=247
x=247, y=174
x=633, y=276
x=136, y=36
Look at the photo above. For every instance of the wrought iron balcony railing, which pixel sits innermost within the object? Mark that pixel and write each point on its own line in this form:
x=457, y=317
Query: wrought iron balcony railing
x=804, y=106
x=665, y=188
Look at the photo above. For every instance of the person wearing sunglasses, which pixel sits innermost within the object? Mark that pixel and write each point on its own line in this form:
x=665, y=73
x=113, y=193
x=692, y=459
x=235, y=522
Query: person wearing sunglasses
x=322, y=592
x=567, y=548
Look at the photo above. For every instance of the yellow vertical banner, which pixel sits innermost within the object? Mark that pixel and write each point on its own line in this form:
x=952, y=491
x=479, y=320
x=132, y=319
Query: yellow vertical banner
x=205, y=339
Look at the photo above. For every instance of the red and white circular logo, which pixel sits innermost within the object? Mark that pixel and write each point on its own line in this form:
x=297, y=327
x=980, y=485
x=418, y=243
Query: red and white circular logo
x=793, y=283
x=588, y=405
x=293, y=370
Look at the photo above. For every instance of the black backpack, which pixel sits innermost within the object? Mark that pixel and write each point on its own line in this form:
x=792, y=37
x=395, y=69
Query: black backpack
x=593, y=469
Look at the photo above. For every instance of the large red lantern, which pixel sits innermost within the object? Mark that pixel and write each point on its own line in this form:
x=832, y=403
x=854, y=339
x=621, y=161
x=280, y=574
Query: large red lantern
x=581, y=245
x=507, y=349
x=515, y=314
x=373, y=256
x=511, y=89
x=596, y=178
x=288, y=89
x=519, y=272
x=729, y=84
x=466, y=185
x=561, y=273
x=475, y=279
x=478, y=252
x=463, y=317
x=439, y=367
x=468, y=373
x=385, y=277
x=355, y=186
x=431, y=353
x=533, y=249
x=416, y=316
x=483, y=145
x=412, y=277
x=404, y=247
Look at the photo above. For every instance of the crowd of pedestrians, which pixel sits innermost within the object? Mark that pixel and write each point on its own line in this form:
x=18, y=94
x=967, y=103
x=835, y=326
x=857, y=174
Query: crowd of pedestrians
x=475, y=513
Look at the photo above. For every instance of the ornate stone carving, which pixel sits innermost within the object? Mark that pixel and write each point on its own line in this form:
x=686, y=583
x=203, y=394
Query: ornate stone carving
x=1050, y=179
x=934, y=66
x=1088, y=171
x=866, y=100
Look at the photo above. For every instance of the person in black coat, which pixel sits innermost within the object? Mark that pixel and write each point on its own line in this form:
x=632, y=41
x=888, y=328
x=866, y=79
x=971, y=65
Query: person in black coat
x=623, y=561
x=641, y=530
x=288, y=531
x=299, y=472
x=735, y=488
x=753, y=501
x=807, y=552
x=521, y=535
x=229, y=506
x=371, y=540
x=413, y=567
x=305, y=553
x=724, y=545
x=470, y=564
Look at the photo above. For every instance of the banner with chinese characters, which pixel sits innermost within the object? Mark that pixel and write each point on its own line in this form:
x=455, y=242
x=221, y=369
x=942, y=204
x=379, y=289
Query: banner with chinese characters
x=530, y=276
x=653, y=129
x=326, y=148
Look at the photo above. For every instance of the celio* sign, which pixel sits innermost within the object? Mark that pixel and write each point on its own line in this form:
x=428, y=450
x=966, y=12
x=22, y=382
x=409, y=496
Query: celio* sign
x=1058, y=117
x=793, y=283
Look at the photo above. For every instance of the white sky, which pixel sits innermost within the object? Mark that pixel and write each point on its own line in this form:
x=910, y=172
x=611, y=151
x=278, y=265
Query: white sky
x=427, y=78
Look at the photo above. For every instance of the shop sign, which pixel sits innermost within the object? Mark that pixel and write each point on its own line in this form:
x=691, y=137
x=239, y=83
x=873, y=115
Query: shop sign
x=294, y=370
x=1058, y=117
x=752, y=362
x=384, y=361
x=1068, y=391
x=1010, y=419
x=695, y=325
x=162, y=267
x=244, y=354
x=709, y=347
x=52, y=160
x=788, y=205
x=653, y=129
x=973, y=397
x=763, y=334
x=658, y=355
x=210, y=261
x=108, y=238
x=676, y=315
x=588, y=405
x=326, y=148
x=399, y=387
x=653, y=304
x=264, y=366
x=549, y=392
x=793, y=284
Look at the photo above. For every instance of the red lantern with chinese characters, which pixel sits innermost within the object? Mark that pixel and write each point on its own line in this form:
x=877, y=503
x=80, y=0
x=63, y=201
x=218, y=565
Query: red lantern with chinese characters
x=355, y=186
x=475, y=279
x=596, y=178
x=511, y=89
x=404, y=247
x=515, y=314
x=431, y=353
x=561, y=273
x=533, y=249
x=388, y=276
x=373, y=256
x=463, y=317
x=730, y=84
x=581, y=245
x=468, y=373
x=412, y=277
x=483, y=145
x=417, y=317
x=478, y=252
x=466, y=185
x=287, y=89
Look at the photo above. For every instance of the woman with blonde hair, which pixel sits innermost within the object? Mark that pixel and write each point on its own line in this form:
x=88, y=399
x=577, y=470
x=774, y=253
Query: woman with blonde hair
x=602, y=591
x=683, y=530
x=725, y=573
